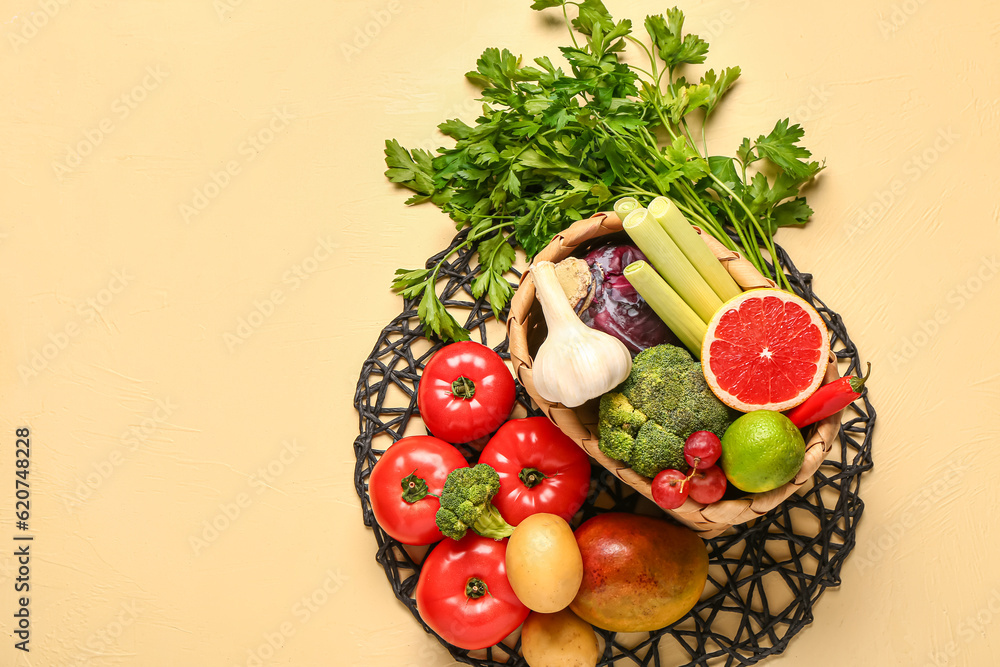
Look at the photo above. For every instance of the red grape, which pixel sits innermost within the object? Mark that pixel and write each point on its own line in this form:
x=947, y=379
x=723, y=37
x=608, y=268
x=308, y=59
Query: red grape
x=706, y=486
x=702, y=449
x=670, y=488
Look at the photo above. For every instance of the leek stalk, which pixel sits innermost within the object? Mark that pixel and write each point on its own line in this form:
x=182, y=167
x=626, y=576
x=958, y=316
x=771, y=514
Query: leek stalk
x=671, y=264
x=626, y=205
x=704, y=261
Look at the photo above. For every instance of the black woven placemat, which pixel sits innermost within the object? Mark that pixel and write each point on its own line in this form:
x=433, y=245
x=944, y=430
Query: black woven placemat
x=765, y=577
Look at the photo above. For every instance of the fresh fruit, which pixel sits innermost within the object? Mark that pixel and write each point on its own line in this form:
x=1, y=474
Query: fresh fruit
x=707, y=486
x=540, y=469
x=702, y=449
x=463, y=593
x=765, y=349
x=639, y=573
x=670, y=488
x=761, y=451
x=466, y=391
x=405, y=483
x=544, y=565
x=561, y=639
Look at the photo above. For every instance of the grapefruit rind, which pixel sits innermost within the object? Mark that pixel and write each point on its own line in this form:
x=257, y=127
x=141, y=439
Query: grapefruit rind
x=802, y=390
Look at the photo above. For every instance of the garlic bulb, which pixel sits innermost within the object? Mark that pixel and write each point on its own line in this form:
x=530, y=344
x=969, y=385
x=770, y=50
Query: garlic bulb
x=575, y=363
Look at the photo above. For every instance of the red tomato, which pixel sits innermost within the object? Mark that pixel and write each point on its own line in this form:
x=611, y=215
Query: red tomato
x=540, y=468
x=400, y=480
x=465, y=392
x=463, y=593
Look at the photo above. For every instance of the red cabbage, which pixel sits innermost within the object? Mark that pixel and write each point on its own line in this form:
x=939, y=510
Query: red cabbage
x=617, y=309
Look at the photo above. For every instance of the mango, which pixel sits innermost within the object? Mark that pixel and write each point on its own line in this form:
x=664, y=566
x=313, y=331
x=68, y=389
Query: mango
x=639, y=573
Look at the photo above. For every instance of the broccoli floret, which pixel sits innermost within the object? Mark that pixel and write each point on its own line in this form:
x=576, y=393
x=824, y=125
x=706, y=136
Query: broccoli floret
x=656, y=448
x=465, y=504
x=616, y=411
x=667, y=389
x=619, y=423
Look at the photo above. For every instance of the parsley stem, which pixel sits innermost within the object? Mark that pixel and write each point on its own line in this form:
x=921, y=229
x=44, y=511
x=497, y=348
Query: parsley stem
x=639, y=162
x=636, y=190
x=696, y=202
x=666, y=124
x=659, y=79
x=644, y=71
x=694, y=144
x=748, y=247
x=652, y=61
x=767, y=239
x=569, y=26
x=473, y=236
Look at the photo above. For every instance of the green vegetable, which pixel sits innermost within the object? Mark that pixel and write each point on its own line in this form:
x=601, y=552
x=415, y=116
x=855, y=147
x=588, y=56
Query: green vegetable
x=646, y=420
x=683, y=234
x=672, y=265
x=626, y=205
x=553, y=147
x=466, y=504
x=686, y=324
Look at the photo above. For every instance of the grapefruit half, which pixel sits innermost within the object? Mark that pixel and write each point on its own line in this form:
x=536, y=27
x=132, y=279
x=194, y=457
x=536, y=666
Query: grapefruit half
x=765, y=349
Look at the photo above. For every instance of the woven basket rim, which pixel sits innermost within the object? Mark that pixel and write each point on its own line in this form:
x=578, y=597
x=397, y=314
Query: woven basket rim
x=580, y=425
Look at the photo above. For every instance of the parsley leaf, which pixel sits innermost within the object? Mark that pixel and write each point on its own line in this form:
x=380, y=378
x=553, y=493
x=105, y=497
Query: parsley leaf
x=593, y=14
x=496, y=256
x=718, y=86
x=437, y=319
x=455, y=128
x=405, y=170
x=780, y=148
x=792, y=212
x=672, y=48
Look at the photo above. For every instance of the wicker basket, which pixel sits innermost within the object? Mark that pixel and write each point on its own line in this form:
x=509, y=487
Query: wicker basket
x=526, y=330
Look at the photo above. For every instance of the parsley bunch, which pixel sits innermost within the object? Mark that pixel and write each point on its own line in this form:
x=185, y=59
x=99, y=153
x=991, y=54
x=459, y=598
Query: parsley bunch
x=551, y=148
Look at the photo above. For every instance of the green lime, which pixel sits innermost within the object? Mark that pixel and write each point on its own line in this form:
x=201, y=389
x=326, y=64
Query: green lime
x=761, y=451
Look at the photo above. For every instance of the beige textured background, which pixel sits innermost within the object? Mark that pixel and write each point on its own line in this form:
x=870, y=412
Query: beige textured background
x=195, y=246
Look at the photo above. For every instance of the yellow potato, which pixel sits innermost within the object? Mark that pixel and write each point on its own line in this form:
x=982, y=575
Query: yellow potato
x=544, y=564
x=558, y=640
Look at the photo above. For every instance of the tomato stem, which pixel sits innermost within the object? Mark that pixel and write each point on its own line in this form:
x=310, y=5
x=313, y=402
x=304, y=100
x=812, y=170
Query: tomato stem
x=476, y=588
x=532, y=477
x=463, y=387
x=414, y=488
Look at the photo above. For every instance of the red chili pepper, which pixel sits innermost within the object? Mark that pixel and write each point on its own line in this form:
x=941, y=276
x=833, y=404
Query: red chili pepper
x=829, y=399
